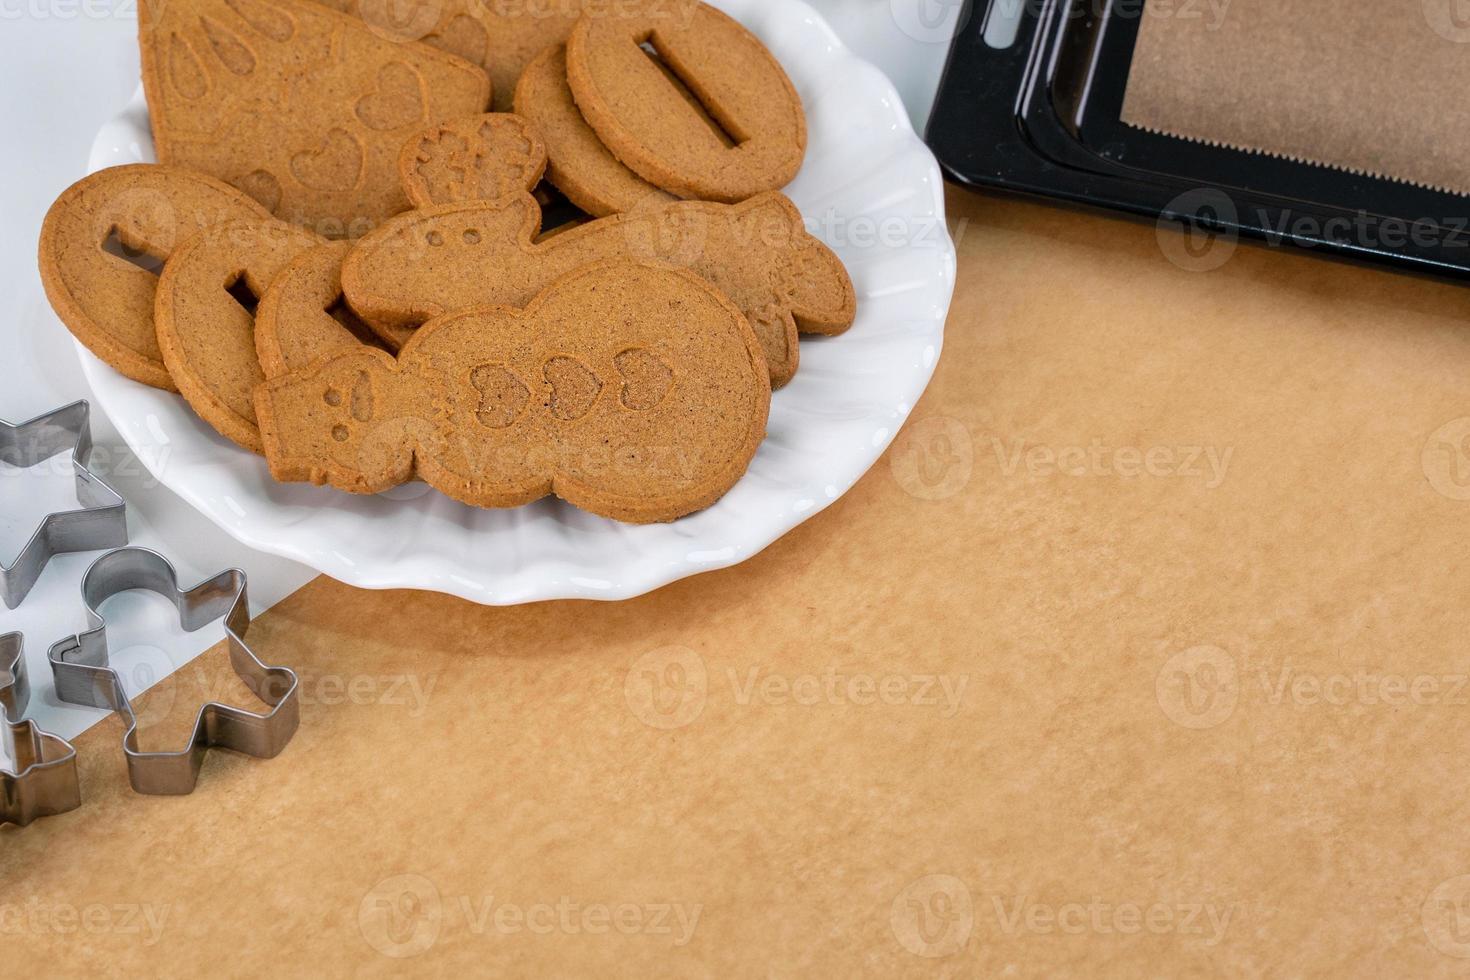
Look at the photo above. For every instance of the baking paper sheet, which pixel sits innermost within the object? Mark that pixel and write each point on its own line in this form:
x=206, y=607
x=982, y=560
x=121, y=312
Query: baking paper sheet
x=1369, y=86
x=1142, y=653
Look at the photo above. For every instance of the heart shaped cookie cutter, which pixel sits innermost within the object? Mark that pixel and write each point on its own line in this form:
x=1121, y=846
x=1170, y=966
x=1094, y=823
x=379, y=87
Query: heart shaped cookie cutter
x=84, y=675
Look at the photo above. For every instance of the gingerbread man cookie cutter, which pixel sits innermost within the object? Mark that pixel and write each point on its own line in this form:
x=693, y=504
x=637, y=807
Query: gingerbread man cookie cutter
x=85, y=677
x=101, y=521
x=44, y=781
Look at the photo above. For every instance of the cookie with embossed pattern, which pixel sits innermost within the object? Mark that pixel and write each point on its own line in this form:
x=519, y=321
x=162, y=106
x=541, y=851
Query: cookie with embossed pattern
x=424, y=264
x=632, y=390
x=304, y=108
x=501, y=36
x=479, y=158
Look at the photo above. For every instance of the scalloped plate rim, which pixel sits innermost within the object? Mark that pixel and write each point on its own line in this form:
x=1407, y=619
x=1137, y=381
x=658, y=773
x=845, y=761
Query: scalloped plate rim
x=542, y=579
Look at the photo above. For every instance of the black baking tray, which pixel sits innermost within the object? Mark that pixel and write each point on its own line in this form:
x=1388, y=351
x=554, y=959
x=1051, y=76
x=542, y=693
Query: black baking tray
x=1041, y=117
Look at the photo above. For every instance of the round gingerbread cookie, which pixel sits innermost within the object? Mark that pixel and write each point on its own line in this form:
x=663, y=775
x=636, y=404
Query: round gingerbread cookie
x=103, y=245
x=205, y=313
x=577, y=162
x=687, y=98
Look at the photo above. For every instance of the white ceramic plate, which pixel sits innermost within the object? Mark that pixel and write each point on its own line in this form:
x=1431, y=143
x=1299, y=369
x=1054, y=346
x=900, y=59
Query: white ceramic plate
x=869, y=188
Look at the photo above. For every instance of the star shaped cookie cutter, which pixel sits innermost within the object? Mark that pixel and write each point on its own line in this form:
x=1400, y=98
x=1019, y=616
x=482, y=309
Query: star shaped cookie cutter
x=101, y=522
x=44, y=782
x=84, y=676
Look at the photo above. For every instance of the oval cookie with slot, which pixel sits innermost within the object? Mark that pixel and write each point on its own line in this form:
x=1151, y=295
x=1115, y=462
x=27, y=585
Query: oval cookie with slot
x=631, y=390
x=103, y=246
x=577, y=162
x=205, y=313
x=688, y=99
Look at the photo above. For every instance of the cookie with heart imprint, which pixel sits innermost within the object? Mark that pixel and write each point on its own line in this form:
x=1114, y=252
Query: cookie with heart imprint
x=302, y=107
x=632, y=390
x=104, y=243
x=695, y=104
x=205, y=314
x=577, y=162
x=501, y=36
x=479, y=158
x=424, y=264
x=303, y=315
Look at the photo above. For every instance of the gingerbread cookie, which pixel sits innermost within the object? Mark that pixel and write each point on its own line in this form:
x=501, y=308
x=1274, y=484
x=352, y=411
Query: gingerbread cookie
x=578, y=164
x=501, y=36
x=424, y=264
x=303, y=316
x=205, y=313
x=631, y=390
x=104, y=243
x=694, y=104
x=300, y=106
x=480, y=158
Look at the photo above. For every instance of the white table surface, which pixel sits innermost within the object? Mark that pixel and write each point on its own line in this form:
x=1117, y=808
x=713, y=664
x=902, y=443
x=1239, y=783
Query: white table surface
x=66, y=67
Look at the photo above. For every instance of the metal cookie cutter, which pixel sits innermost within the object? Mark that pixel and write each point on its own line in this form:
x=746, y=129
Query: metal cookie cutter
x=100, y=523
x=45, y=779
x=80, y=666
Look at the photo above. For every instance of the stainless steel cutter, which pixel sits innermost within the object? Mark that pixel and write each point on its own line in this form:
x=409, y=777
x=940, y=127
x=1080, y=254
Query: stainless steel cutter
x=84, y=676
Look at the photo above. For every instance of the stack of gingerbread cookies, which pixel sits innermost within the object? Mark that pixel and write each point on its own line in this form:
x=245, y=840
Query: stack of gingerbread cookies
x=340, y=261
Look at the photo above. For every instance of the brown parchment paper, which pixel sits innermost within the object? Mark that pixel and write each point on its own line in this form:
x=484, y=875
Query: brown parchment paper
x=1370, y=86
x=1049, y=693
